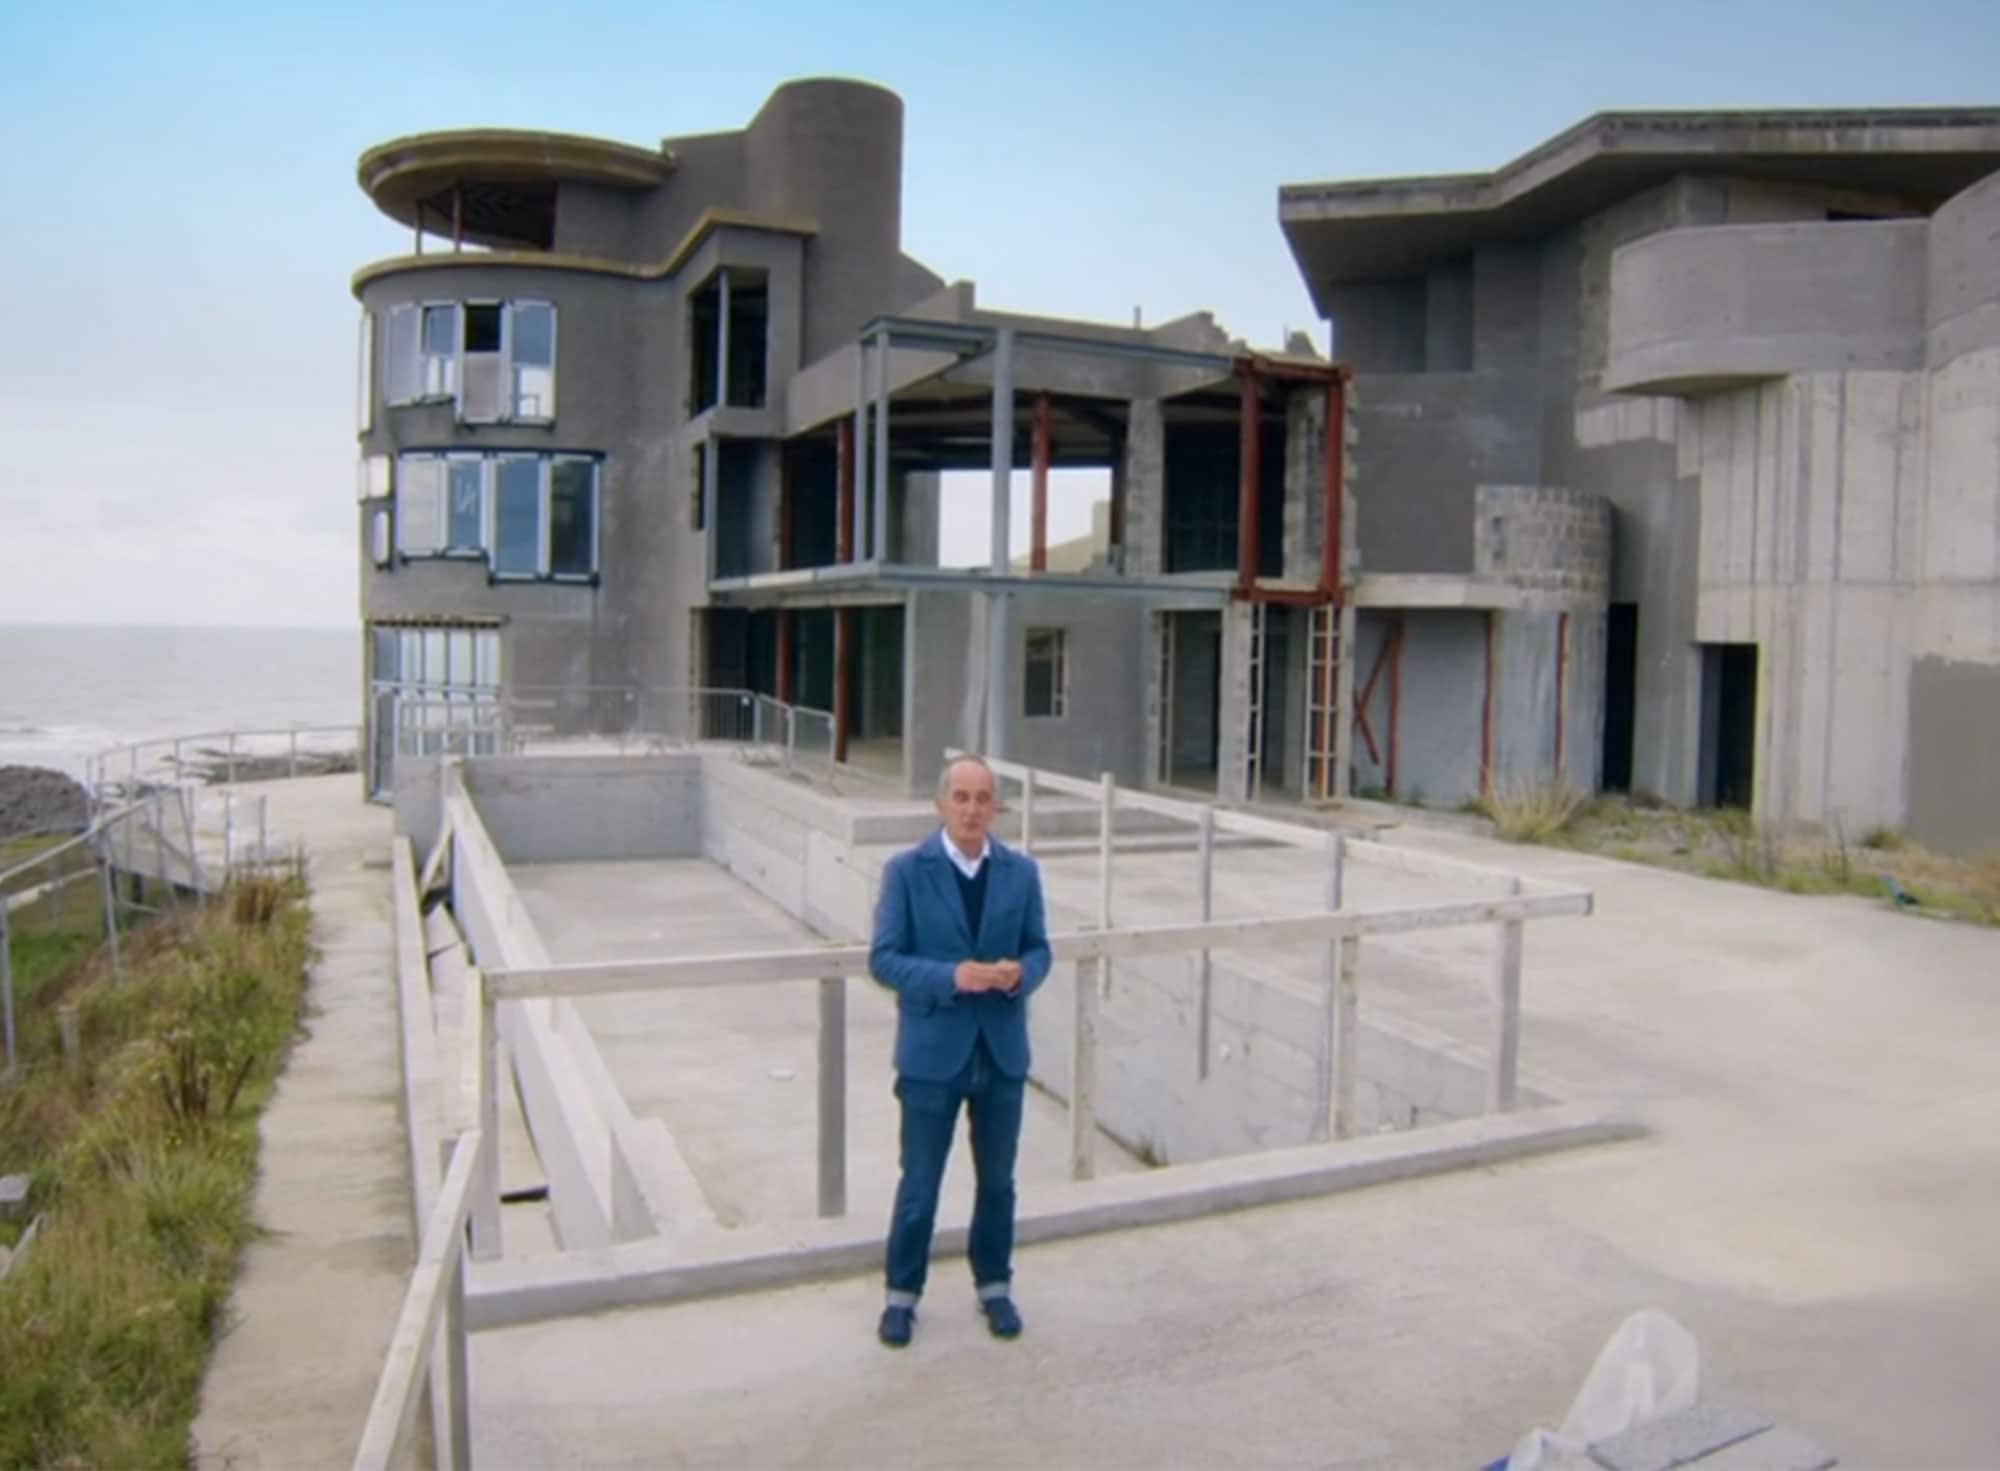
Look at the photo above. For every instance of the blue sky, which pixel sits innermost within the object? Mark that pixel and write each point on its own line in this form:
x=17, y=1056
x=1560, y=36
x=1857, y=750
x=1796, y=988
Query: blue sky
x=180, y=218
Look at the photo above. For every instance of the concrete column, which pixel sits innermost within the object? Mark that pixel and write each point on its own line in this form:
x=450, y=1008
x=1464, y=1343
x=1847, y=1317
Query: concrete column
x=997, y=615
x=1343, y=712
x=711, y=471
x=1003, y=445
x=1232, y=757
x=722, y=339
x=1038, y=536
x=1145, y=487
x=855, y=521
x=879, y=542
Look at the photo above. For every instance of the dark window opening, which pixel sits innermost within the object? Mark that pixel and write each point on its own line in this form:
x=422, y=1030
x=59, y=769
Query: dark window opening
x=482, y=326
x=749, y=344
x=572, y=515
x=1046, y=673
x=1203, y=465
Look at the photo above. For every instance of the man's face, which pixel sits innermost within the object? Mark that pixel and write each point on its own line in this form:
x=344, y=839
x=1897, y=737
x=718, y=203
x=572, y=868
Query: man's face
x=968, y=804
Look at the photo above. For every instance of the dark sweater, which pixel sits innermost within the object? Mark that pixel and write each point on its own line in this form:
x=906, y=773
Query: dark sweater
x=972, y=891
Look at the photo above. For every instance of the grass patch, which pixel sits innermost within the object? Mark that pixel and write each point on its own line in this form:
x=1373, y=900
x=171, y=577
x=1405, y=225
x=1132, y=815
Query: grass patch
x=1532, y=811
x=143, y=1154
x=1728, y=844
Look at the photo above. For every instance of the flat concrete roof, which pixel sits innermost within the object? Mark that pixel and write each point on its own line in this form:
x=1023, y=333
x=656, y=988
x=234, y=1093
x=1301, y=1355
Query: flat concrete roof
x=1344, y=232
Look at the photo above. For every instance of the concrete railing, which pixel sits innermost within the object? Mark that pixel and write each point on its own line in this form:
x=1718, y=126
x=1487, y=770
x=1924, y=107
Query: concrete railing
x=1096, y=951
x=434, y=1300
x=1339, y=1030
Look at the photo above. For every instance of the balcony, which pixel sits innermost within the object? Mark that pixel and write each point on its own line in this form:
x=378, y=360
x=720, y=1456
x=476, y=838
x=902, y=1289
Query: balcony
x=1704, y=309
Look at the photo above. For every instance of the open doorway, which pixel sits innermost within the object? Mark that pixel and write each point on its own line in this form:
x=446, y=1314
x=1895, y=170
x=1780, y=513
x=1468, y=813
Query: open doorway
x=1621, y=687
x=1190, y=653
x=1728, y=776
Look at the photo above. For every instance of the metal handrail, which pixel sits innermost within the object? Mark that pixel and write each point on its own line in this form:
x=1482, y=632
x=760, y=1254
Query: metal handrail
x=98, y=767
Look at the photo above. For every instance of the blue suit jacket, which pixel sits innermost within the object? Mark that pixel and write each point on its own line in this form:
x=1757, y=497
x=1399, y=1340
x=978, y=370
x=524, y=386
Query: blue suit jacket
x=920, y=937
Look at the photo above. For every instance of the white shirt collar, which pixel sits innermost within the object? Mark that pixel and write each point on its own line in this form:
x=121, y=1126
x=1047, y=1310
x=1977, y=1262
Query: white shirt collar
x=967, y=866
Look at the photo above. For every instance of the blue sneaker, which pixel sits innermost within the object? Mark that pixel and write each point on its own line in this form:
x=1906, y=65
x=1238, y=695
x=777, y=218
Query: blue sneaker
x=1001, y=1316
x=896, y=1326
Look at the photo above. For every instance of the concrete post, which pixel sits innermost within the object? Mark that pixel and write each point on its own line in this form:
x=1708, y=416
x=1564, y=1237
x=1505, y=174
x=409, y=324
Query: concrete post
x=722, y=339
x=263, y=829
x=458, y=1407
x=833, y=1096
x=485, y=1219
x=1083, y=1051
x=291, y=763
x=1347, y=1037
x=1204, y=882
x=1329, y=1075
x=1507, y=1009
x=177, y=760
x=1003, y=447
x=232, y=758
x=228, y=835
x=880, y=540
x=1106, y=817
x=857, y=510
x=187, y=804
x=1343, y=711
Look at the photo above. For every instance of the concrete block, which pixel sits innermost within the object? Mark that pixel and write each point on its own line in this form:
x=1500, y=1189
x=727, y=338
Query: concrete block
x=1678, y=1439
x=13, y=1196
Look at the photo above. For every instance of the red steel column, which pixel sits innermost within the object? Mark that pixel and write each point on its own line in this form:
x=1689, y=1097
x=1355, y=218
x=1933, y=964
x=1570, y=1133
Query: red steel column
x=1248, y=445
x=784, y=680
x=1038, y=524
x=843, y=439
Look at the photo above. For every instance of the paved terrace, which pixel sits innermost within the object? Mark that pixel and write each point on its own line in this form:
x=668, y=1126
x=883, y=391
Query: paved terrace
x=1817, y=1202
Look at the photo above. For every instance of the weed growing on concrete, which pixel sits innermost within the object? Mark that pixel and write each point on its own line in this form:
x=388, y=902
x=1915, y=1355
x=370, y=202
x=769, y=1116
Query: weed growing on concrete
x=1533, y=811
x=143, y=1151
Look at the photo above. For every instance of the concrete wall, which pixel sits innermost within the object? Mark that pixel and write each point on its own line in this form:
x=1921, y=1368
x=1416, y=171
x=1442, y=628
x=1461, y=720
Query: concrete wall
x=1707, y=306
x=567, y=809
x=1954, y=715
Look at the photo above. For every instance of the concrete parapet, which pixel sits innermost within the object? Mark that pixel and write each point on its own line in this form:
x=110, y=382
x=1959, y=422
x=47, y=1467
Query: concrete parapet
x=1720, y=305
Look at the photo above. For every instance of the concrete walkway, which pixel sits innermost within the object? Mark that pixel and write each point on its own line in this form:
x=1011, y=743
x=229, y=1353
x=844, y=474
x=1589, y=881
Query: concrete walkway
x=1818, y=1203
x=311, y=1314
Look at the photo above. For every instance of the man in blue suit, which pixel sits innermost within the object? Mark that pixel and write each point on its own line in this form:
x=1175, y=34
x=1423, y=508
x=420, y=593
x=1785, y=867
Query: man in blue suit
x=960, y=939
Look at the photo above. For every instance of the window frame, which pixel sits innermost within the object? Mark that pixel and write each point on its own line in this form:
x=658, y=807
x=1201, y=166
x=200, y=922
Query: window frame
x=1058, y=636
x=405, y=377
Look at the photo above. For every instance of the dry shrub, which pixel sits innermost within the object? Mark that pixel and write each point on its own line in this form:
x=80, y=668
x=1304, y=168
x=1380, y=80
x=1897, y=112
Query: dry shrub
x=1533, y=810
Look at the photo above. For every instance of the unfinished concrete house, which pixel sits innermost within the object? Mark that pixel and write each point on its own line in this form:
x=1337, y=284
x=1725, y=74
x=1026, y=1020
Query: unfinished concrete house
x=654, y=444
x=1665, y=458
x=1678, y=464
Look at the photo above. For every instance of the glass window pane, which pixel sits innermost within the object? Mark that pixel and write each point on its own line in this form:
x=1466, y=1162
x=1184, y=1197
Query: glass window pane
x=385, y=664
x=434, y=670
x=572, y=518
x=535, y=334
x=466, y=529
x=440, y=351
x=419, y=505
x=486, y=658
x=403, y=378
x=517, y=514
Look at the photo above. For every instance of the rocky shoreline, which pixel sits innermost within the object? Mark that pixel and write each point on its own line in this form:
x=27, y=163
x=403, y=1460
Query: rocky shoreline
x=34, y=799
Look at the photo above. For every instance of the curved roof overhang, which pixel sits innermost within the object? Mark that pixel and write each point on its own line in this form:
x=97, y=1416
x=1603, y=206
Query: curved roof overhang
x=497, y=186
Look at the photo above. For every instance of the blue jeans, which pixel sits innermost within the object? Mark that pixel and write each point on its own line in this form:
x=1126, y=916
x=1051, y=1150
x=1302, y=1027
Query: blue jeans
x=930, y=1118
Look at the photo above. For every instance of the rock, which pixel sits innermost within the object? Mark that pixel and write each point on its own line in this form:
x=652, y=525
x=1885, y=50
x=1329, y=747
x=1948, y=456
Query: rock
x=36, y=799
